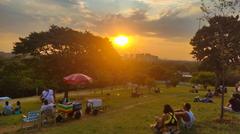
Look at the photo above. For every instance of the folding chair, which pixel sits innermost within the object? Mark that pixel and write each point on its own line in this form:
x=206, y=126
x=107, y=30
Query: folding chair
x=32, y=118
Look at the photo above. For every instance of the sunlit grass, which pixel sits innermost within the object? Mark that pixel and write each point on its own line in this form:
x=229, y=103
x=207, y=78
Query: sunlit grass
x=126, y=115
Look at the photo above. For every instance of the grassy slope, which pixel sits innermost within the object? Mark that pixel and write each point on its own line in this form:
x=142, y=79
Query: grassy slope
x=128, y=115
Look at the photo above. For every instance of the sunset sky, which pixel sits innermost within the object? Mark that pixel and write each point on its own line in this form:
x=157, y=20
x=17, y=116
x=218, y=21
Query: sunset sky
x=159, y=27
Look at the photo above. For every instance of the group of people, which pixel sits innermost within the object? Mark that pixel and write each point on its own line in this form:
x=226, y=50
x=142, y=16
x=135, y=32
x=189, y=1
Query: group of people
x=170, y=120
x=8, y=109
x=208, y=98
x=234, y=102
x=195, y=89
x=220, y=90
x=48, y=100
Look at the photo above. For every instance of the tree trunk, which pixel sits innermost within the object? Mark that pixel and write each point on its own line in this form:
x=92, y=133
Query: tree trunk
x=222, y=107
x=223, y=92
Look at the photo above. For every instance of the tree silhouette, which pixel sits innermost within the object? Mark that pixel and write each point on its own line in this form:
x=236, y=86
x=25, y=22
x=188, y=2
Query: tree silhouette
x=61, y=51
x=220, y=49
x=217, y=46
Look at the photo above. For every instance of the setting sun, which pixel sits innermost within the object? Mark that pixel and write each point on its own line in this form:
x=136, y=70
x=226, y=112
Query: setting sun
x=121, y=40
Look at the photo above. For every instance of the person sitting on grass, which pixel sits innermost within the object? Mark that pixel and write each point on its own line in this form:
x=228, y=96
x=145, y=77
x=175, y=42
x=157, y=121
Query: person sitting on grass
x=209, y=94
x=234, y=104
x=194, y=89
x=18, y=108
x=186, y=116
x=206, y=99
x=7, y=109
x=156, y=90
x=167, y=123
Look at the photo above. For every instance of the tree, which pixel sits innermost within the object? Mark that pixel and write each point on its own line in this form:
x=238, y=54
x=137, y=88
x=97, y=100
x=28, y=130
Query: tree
x=16, y=79
x=217, y=50
x=204, y=78
x=174, y=79
x=61, y=51
x=216, y=46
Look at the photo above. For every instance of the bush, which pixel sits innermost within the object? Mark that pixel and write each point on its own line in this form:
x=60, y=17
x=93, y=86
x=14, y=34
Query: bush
x=204, y=78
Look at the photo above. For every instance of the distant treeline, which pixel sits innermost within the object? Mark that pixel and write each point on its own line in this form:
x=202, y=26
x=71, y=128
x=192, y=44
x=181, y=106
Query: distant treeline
x=20, y=76
x=42, y=60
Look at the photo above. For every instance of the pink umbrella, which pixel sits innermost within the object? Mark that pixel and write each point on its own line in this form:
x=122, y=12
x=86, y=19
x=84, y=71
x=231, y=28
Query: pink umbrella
x=77, y=79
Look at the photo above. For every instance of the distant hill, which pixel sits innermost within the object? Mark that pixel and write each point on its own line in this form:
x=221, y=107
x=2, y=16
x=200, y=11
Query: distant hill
x=5, y=55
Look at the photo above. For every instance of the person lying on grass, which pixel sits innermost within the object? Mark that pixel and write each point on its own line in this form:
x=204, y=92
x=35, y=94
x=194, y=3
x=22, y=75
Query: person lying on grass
x=166, y=123
x=233, y=104
x=207, y=99
x=185, y=115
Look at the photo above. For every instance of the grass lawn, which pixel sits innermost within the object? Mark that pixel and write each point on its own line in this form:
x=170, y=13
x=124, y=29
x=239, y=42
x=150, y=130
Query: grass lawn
x=126, y=115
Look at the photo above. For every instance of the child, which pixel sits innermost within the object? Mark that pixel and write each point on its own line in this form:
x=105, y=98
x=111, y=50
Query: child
x=18, y=108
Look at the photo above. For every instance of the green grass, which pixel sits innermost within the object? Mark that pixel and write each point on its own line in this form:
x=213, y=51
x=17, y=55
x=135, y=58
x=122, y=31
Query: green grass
x=126, y=115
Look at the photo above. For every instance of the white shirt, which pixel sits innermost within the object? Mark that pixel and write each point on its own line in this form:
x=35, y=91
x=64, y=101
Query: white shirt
x=48, y=95
x=8, y=107
x=46, y=107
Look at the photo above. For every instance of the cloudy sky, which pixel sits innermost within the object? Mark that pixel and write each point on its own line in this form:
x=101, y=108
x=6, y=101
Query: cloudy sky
x=159, y=27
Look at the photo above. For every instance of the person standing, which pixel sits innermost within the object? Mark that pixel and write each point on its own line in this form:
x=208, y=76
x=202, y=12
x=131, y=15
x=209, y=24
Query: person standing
x=48, y=94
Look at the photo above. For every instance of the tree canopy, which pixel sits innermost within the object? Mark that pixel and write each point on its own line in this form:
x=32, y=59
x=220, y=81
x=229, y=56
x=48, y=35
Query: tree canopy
x=218, y=43
x=204, y=78
x=60, y=51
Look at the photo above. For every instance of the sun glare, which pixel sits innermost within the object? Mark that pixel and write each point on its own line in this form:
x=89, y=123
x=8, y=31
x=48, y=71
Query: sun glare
x=121, y=40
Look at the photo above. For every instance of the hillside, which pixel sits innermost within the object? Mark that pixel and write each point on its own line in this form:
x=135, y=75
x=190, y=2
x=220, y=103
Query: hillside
x=5, y=55
x=127, y=115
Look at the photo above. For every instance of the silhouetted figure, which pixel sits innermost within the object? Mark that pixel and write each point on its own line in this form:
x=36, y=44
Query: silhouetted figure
x=233, y=104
